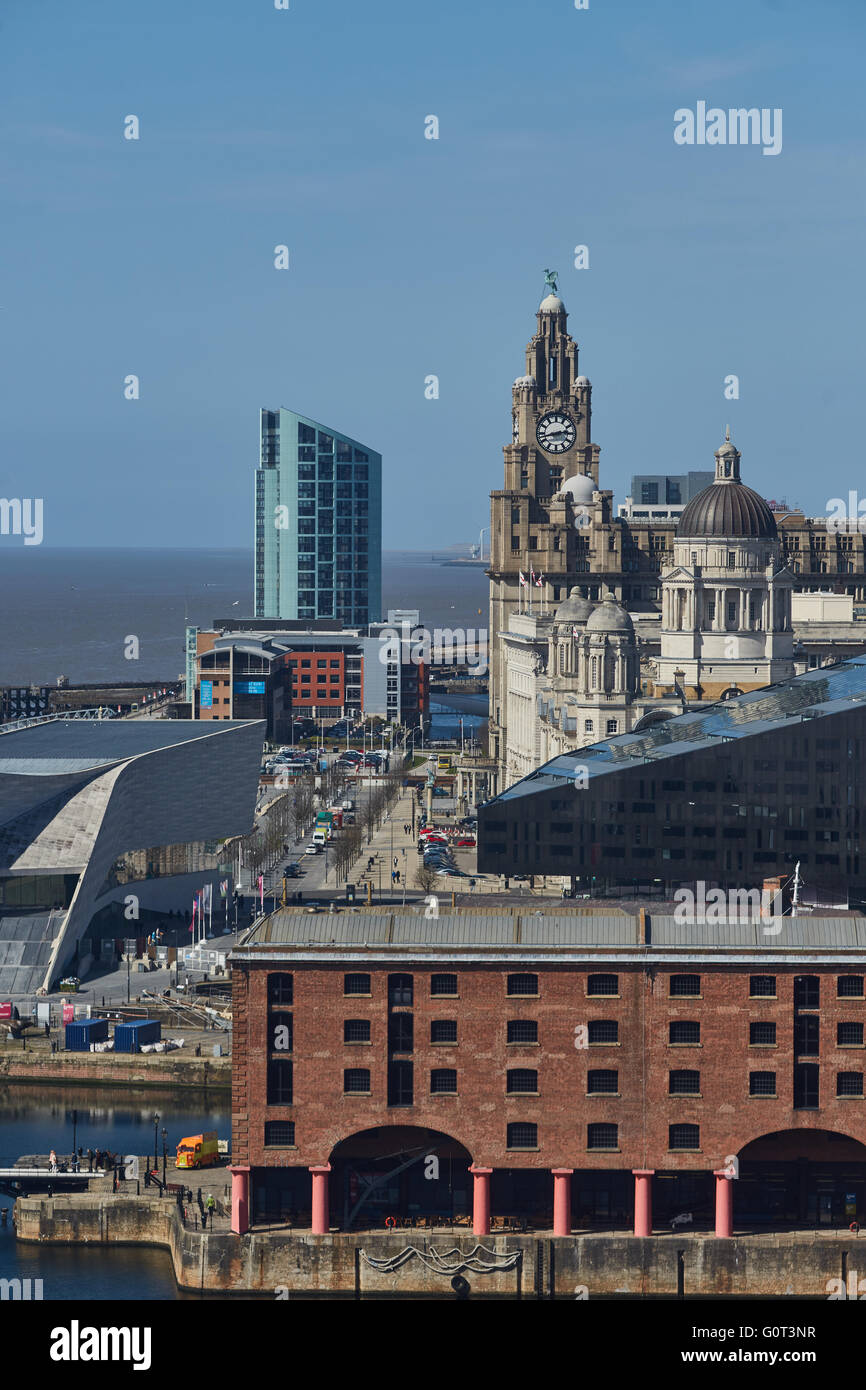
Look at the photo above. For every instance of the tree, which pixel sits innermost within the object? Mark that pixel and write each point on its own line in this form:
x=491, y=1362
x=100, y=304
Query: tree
x=425, y=878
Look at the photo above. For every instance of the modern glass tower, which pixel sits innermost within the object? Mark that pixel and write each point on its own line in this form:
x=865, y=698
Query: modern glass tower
x=318, y=523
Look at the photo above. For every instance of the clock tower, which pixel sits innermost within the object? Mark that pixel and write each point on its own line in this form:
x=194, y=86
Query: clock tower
x=544, y=517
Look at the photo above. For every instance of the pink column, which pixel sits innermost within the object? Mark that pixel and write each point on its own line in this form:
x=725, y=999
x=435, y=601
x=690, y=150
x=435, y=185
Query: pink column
x=321, y=1223
x=562, y=1201
x=240, y=1199
x=724, y=1203
x=481, y=1200
x=643, y=1201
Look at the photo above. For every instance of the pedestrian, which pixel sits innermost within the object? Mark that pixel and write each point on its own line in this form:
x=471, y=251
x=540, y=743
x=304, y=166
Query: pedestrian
x=210, y=1205
x=52, y=1161
x=90, y=1160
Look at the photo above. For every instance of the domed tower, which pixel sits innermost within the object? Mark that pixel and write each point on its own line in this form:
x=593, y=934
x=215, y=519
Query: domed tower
x=726, y=601
x=607, y=672
x=569, y=621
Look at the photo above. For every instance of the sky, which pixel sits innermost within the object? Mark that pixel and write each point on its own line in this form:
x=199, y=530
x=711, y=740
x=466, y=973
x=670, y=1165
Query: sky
x=412, y=257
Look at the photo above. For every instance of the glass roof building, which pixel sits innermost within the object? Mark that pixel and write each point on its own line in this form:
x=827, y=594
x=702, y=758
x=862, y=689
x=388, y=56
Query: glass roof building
x=730, y=795
x=318, y=523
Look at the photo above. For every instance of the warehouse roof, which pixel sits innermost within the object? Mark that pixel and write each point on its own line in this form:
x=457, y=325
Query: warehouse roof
x=524, y=933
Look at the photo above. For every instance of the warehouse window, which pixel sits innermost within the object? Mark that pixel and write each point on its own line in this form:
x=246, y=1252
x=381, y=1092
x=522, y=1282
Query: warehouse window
x=400, y=989
x=443, y=1082
x=356, y=984
x=685, y=986
x=684, y=1083
x=684, y=1137
x=443, y=1030
x=762, y=1083
x=356, y=1081
x=521, y=1081
x=522, y=1030
x=849, y=1083
x=685, y=1031
x=522, y=984
x=849, y=986
x=602, y=1083
x=849, y=1034
x=280, y=989
x=280, y=1134
x=762, y=986
x=604, y=1030
x=602, y=984
x=761, y=1034
x=279, y=1082
x=443, y=986
x=602, y=1136
x=356, y=1030
x=522, y=1136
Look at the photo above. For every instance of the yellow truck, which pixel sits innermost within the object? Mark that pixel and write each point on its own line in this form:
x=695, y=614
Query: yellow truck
x=198, y=1151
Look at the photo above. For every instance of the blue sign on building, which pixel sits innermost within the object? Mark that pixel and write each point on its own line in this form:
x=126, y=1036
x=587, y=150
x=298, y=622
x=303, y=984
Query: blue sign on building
x=249, y=687
x=206, y=700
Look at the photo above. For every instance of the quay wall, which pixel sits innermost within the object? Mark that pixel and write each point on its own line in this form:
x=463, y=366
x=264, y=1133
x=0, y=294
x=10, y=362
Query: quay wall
x=580, y=1266
x=131, y=1070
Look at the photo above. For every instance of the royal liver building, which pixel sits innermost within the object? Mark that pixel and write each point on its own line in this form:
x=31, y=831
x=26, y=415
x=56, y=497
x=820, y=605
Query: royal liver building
x=599, y=623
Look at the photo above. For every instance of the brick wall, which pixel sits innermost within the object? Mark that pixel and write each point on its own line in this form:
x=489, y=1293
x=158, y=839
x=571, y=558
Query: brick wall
x=478, y=1115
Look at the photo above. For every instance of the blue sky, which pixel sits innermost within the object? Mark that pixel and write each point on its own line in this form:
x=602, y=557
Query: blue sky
x=412, y=256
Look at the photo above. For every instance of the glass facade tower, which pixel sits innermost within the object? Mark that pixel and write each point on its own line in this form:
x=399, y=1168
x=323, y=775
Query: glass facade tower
x=318, y=545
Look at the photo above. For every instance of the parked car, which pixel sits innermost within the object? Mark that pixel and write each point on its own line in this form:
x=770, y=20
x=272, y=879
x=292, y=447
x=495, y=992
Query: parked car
x=314, y=849
x=466, y=842
x=292, y=871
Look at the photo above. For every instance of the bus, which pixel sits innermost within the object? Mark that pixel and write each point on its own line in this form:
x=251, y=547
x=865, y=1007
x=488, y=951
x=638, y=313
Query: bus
x=443, y=762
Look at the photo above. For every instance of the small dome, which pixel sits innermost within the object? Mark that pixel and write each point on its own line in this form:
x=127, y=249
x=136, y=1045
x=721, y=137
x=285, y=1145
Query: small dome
x=551, y=305
x=582, y=381
x=610, y=616
x=727, y=450
x=524, y=381
x=579, y=488
x=574, y=609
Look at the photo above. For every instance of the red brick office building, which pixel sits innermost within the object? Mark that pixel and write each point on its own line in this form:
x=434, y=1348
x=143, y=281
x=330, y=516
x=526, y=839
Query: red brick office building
x=574, y=1070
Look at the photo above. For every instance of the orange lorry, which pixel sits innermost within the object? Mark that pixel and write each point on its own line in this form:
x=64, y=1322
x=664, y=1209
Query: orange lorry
x=198, y=1151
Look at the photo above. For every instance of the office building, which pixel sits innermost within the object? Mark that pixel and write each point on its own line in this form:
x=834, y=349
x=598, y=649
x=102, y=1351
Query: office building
x=318, y=523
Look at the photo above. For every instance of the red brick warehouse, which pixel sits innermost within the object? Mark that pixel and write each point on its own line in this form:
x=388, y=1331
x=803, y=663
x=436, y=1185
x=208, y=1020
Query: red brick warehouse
x=572, y=1071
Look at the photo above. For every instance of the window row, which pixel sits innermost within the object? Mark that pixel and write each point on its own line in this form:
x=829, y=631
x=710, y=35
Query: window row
x=444, y=986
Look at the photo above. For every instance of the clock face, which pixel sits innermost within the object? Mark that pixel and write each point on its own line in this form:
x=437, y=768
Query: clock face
x=555, y=432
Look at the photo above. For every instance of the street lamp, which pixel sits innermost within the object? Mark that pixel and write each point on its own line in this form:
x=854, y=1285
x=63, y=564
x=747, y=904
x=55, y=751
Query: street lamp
x=164, y=1138
x=155, y=1140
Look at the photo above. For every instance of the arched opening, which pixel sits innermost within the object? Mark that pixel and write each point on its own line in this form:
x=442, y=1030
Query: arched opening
x=401, y=1174
x=731, y=693
x=801, y=1177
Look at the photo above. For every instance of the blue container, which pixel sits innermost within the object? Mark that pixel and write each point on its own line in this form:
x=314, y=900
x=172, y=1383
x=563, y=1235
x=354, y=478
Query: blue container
x=128, y=1037
x=81, y=1034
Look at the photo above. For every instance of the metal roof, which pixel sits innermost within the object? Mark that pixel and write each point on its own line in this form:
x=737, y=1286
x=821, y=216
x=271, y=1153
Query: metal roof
x=813, y=695
x=75, y=745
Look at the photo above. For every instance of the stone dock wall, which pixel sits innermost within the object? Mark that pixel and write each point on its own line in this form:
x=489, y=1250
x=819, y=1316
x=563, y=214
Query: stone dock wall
x=528, y=1266
x=127, y=1069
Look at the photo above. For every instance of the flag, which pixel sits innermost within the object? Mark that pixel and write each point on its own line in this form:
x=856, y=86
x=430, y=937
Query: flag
x=224, y=887
x=262, y=891
x=192, y=923
x=539, y=580
x=206, y=894
x=522, y=580
x=575, y=632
